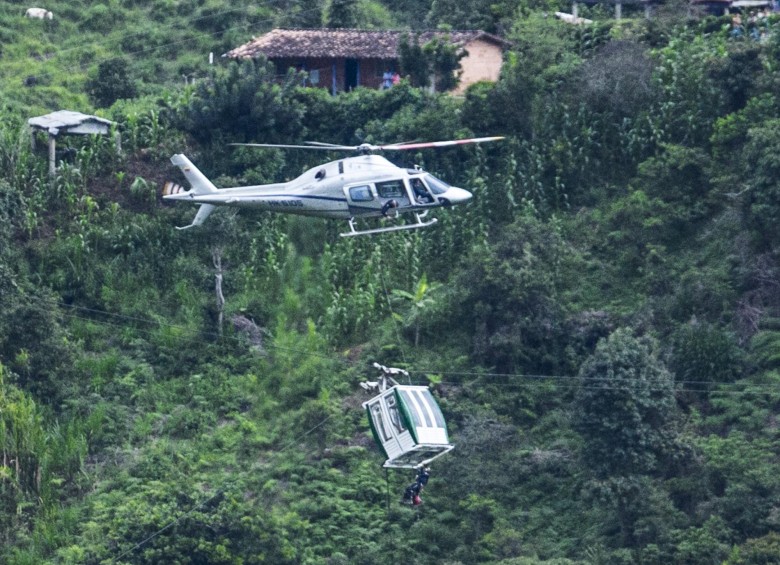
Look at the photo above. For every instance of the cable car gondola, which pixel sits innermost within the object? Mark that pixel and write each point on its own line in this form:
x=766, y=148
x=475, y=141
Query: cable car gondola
x=406, y=422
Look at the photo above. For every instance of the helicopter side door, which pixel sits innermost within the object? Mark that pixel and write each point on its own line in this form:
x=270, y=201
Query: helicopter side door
x=376, y=198
x=362, y=199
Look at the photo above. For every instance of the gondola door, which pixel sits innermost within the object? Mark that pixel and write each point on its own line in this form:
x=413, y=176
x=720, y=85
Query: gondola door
x=382, y=427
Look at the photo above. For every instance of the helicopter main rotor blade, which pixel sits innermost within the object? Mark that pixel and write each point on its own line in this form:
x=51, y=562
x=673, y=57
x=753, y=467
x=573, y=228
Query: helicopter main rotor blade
x=400, y=146
x=334, y=146
x=321, y=147
x=368, y=147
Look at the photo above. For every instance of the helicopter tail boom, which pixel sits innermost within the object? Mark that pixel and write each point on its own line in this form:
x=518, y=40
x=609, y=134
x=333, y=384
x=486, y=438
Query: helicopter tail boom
x=200, y=184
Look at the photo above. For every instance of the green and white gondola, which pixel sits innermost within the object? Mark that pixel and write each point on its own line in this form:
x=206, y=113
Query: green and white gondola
x=408, y=426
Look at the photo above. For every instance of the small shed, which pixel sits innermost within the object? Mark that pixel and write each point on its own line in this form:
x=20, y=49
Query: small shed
x=68, y=122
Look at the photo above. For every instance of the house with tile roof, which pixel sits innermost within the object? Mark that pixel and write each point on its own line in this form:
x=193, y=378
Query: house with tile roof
x=343, y=59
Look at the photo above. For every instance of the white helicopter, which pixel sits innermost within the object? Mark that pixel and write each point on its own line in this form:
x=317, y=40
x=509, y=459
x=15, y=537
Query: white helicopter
x=365, y=186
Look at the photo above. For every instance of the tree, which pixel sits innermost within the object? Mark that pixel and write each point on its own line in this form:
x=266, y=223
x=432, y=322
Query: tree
x=704, y=353
x=509, y=296
x=244, y=102
x=761, y=166
x=488, y=15
x=417, y=302
x=444, y=60
x=342, y=14
x=690, y=97
x=301, y=14
x=34, y=341
x=413, y=61
x=112, y=82
x=438, y=60
x=625, y=407
x=618, y=80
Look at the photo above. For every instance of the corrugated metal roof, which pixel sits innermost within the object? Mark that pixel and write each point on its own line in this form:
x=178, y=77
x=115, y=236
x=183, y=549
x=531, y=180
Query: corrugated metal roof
x=70, y=122
x=346, y=43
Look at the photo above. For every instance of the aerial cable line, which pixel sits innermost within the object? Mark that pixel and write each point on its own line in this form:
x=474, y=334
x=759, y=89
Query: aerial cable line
x=479, y=375
x=749, y=388
x=542, y=379
x=538, y=381
x=195, y=340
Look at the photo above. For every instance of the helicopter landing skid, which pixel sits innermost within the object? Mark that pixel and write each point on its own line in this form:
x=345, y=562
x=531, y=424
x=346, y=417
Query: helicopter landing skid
x=419, y=224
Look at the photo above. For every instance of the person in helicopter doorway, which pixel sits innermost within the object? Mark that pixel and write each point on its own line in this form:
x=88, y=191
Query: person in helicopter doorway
x=412, y=492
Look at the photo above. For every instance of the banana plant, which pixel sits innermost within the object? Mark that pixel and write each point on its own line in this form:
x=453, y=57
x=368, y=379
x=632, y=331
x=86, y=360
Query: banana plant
x=417, y=303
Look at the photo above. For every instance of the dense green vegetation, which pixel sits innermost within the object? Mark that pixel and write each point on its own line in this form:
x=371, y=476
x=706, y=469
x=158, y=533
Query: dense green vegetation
x=601, y=325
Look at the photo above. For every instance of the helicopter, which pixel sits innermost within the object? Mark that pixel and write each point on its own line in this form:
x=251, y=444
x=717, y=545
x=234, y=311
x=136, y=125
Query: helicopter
x=362, y=186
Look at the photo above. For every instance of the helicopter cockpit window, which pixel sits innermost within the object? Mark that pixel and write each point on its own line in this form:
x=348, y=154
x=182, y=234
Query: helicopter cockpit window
x=391, y=189
x=437, y=186
x=361, y=193
x=421, y=193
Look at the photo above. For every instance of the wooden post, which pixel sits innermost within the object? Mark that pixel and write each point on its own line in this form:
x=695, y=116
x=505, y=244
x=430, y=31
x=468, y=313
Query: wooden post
x=574, y=9
x=52, y=156
x=618, y=10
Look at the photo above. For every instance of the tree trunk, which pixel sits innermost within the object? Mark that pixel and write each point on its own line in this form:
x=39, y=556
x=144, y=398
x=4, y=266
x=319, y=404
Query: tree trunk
x=216, y=255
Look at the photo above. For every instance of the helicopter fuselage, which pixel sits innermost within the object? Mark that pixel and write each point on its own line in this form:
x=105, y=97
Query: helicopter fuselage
x=362, y=186
x=366, y=186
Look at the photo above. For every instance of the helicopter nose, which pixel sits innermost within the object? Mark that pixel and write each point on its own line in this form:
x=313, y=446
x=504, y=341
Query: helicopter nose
x=455, y=195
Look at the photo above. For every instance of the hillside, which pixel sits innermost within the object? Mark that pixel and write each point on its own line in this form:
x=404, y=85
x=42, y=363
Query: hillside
x=600, y=325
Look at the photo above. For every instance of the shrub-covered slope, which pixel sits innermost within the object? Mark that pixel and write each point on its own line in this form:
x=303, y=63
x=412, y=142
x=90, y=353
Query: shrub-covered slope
x=600, y=325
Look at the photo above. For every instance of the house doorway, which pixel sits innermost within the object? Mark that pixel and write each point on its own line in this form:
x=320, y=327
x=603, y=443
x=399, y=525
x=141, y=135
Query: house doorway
x=351, y=74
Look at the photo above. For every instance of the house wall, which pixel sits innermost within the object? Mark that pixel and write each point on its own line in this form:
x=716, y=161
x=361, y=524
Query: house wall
x=371, y=71
x=370, y=76
x=322, y=66
x=483, y=62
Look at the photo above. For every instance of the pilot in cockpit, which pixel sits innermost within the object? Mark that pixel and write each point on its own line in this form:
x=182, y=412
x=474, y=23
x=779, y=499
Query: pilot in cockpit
x=421, y=194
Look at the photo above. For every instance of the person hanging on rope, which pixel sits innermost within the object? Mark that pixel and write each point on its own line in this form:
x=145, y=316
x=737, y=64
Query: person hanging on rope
x=412, y=492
